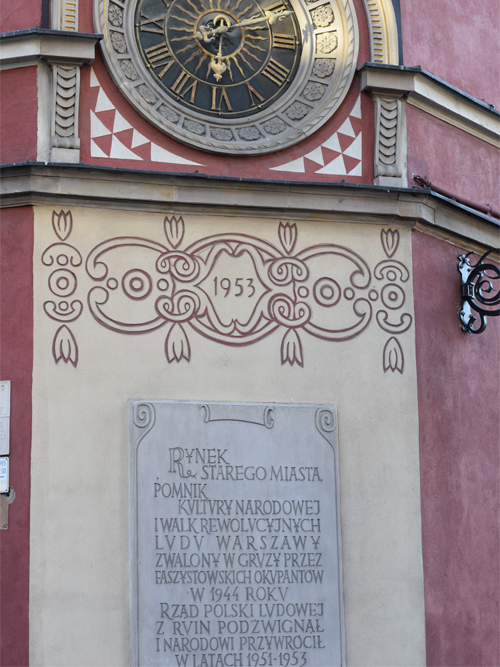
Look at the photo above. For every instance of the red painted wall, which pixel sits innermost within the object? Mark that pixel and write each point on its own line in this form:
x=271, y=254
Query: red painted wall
x=459, y=397
x=18, y=115
x=456, y=41
x=452, y=158
x=16, y=364
x=17, y=15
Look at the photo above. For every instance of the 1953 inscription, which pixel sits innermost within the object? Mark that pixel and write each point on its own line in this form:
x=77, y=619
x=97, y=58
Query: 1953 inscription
x=240, y=565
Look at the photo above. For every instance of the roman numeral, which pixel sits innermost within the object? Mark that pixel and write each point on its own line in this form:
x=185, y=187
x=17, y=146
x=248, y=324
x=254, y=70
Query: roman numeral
x=223, y=98
x=252, y=92
x=283, y=41
x=277, y=7
x=158, y=56
x=181, y=86
x=276, y=72
x=156, y=21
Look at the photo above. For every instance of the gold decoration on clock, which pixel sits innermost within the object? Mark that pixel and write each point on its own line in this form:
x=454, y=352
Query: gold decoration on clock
x=219, y=57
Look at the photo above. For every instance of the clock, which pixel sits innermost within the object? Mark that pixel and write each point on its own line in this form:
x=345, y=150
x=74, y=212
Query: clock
x=239, y=77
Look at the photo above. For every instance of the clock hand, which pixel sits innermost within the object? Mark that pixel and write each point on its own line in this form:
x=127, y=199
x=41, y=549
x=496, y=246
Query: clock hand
x=208, y=34
x=217, y=64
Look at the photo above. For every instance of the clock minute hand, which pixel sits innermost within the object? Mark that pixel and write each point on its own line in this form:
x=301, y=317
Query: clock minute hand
x=208, y=34
x=272, y=17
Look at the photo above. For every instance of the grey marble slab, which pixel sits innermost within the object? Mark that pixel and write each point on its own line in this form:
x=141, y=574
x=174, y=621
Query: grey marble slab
x=235, y=535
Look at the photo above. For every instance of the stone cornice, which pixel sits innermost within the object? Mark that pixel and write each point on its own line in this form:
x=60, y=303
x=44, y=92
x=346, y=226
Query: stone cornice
x=436, y=97
x=82, y=185
x=24, y=48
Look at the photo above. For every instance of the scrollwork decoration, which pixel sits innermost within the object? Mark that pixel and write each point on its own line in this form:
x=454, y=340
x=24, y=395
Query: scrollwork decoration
x=63, y=283
x=326, y=423
x=392, y=296
x=480, y=292
x=144, y=417
x=325, y=291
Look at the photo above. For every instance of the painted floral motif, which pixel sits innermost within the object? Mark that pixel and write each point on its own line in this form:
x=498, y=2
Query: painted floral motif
x=147, y=94
x=322, y=16
x=327, y=42
x=249, y=133
x=118, y=41
x=128, y=69
x=167, y=113
x=221, y=134
x=194, y=127
x=314, y=91
x=274, y=126
x=323, y=67
x=297, y=111
x=115, y=15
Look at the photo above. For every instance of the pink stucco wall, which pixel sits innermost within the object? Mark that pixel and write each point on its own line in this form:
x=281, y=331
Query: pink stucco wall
x=459, y=397
x=456, y=41
x=16, y=15
x=18, y=115
x=16, y=364
x=452, y=158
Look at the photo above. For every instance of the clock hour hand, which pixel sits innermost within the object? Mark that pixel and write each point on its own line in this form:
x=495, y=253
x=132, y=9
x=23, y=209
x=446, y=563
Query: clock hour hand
x=208, y=34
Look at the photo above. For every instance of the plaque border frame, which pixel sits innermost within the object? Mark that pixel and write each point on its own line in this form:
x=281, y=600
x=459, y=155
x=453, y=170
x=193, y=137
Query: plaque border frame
x=142, y=415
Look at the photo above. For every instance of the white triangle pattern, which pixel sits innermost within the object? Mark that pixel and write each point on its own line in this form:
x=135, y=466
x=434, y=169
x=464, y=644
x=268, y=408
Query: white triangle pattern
x=335, y=167
x=118, y=149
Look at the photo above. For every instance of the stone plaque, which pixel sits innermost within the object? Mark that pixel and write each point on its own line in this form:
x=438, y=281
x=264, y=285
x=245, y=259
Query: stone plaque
x=235, y=535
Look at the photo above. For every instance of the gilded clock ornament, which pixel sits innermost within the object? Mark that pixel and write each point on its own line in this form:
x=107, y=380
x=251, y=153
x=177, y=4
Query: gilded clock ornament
x=237, y=77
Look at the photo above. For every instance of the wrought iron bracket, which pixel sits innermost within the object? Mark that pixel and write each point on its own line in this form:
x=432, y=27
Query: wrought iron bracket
x=479, y=292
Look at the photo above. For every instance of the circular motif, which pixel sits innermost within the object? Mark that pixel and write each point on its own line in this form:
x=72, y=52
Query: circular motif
x=327, y=292
x=137, y=284
x=297, y=111
x=167, y=113
x=314, y=91
x=223, y=135
x=373, y=295
x=249, y=133
x=303, y=292
x=391, y=275
x=323, y=67
x=162, y=284
x=349, y=293
x=63, y=306
x=322, y=16
x=274, y=126
x=327, y=42
x=62, y=260
x=238, y=64
x=118, y=42
x=112, y=283
x=128, y=69
x=115, y=15
x=393, y=296
x=62, y=282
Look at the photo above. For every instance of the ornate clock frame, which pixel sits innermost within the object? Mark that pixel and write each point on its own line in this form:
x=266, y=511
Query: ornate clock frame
x=309, y=101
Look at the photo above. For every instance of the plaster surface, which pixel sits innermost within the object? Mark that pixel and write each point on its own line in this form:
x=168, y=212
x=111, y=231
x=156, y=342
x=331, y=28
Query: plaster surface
x=16, y=357
x=459, y=395
x=460, y=155
x=438, y=35
x=80, y=578
x=18, y=129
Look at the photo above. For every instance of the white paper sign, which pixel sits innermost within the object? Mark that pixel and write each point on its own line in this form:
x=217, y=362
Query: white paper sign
x=4, y=474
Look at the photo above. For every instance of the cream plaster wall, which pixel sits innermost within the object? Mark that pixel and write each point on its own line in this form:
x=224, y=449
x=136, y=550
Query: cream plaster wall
x=80, y=613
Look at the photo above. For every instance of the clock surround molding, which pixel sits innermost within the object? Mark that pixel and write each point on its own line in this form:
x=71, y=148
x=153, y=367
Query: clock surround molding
x=294, y=115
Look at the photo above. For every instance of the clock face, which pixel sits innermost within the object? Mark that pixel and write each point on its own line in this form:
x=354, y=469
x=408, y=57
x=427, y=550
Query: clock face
x=240, y=77
x=223, y=58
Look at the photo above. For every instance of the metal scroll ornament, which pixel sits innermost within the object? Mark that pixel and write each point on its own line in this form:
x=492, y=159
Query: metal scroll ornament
x=480, y=292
